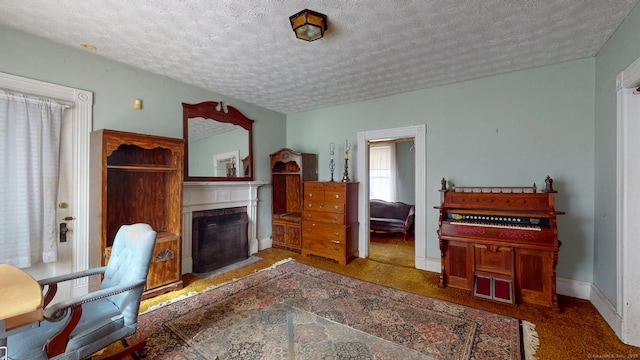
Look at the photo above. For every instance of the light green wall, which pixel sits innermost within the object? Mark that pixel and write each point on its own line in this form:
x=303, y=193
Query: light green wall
x=406, y=182
x=512, y=129
x=115, y=85
x=622, y=49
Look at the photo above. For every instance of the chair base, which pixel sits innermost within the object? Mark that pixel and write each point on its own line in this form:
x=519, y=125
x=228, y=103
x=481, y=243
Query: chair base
x=137, y=351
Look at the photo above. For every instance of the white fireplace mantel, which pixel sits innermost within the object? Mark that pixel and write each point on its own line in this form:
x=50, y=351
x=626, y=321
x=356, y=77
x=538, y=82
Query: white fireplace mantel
x=218, y=195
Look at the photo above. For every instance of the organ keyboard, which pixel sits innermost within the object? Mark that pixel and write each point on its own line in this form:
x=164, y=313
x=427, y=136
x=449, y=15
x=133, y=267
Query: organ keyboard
x=497, y=225
x=500, y=242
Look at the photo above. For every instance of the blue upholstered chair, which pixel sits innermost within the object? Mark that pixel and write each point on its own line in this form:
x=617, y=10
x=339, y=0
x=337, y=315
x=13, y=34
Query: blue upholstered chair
x=77, y=328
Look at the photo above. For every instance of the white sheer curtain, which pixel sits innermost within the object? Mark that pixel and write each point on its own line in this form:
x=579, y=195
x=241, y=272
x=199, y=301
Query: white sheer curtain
x=29, y=161
x=382, y=171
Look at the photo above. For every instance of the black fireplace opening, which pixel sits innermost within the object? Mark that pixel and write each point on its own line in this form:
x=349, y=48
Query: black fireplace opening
x=219, y=238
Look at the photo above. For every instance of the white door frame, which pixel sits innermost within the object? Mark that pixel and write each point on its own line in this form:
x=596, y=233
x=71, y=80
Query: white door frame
x=418, y=133
x=628, y=198
x=81, y=112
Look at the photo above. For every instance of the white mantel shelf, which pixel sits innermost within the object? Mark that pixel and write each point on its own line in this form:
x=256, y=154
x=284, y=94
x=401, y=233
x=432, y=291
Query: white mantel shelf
x=218, y=195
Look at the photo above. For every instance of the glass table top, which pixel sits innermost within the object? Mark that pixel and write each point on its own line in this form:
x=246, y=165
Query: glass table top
x=281, y=331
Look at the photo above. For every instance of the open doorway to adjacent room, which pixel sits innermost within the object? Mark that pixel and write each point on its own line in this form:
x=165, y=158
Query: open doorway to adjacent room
x=392, y=201
x=415, y=137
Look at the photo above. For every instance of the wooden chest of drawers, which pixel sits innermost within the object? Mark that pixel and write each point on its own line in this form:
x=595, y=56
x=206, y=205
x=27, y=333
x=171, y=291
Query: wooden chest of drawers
x=330, y=220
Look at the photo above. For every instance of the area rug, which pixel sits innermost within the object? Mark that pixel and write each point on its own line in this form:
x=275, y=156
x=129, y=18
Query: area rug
x=243, y=319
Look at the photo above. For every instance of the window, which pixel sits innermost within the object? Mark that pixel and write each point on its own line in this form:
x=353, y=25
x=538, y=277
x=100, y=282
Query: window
x=31, y=134
x=382, y=171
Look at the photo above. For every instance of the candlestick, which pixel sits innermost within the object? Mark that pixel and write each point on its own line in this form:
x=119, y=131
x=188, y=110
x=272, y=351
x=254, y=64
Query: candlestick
x=346, y=152
x=332, y=164
x=345, y=177
x=347, y=146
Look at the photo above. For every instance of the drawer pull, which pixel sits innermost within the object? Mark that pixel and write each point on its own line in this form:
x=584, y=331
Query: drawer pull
x=336, y=207
x=308, y=230
x=310, y=205
x=335, y=241
x=309, y=243
x=335, y=218
x=310, y=195
x=321, y=206
x=336, y=234
x=337, y=196
x=309, y=216
x=336, y=248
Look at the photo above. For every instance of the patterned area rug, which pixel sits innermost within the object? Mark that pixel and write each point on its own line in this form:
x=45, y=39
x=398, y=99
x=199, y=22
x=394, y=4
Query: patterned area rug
x=198, y=327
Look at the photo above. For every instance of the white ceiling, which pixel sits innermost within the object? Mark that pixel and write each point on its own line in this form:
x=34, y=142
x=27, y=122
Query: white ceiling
x=245, y=49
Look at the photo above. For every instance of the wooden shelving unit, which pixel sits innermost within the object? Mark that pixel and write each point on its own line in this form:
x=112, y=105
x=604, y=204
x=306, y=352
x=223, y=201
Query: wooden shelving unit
x=138, y=178
x=289, y=169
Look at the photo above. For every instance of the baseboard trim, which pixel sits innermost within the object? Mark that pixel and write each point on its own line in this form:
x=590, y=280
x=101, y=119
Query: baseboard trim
x=428, y=264
x=606, y=309
x=265, y=243
x=574, y=288
x=589, y=291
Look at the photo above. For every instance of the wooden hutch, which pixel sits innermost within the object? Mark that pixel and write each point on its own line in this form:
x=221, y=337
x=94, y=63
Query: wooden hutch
x=289, y=170
x=138, y=178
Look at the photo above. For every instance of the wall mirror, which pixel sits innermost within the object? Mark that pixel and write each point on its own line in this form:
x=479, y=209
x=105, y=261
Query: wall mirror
x=218, y=143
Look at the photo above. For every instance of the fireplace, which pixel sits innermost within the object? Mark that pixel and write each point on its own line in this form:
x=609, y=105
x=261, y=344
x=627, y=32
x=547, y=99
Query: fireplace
x=219, y=237
x=208, y=196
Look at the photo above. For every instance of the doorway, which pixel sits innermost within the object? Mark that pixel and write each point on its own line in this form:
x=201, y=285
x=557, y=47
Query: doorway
x=392, y=199
x=625, y=321
x=418, y=135
x=74, y=255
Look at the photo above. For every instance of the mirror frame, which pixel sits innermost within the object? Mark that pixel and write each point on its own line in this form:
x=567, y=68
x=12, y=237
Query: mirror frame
x=207, y=110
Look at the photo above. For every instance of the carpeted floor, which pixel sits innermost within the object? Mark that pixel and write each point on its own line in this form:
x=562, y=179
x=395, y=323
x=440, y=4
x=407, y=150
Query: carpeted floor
x=338, y=317
x=578, y=332
x=392, y=249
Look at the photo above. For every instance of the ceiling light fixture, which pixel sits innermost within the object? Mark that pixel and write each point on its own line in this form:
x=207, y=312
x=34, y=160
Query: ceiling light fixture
x=308, y=25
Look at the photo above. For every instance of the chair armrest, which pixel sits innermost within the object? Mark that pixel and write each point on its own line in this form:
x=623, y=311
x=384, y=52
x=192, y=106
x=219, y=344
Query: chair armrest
x=57, y=344
x=52, y=282
x=72, y=276
x=409, y=219
x=57, y=311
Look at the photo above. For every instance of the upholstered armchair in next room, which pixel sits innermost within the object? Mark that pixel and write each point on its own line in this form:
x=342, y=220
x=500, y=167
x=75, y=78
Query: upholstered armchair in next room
x=77, y=328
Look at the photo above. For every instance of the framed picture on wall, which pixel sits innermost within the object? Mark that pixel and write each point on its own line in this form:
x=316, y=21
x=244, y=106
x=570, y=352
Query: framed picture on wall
x=227, y=164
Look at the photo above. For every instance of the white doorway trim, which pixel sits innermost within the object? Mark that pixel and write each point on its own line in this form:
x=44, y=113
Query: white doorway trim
x=628, y=198
x=82, y=120
x=418, y=133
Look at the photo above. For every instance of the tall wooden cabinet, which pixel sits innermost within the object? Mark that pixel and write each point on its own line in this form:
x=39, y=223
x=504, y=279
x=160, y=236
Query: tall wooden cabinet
x=330, y=220
x=289, y=169
x=138, y=178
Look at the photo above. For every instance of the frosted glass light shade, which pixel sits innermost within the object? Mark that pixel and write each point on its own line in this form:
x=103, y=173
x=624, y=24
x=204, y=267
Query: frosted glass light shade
x=308, y=25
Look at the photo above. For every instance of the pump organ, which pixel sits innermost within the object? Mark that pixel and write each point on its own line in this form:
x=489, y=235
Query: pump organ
x=500, y=242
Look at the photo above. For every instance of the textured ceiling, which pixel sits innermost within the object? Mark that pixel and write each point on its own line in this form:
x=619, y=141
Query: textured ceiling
x=246, y=49
x=200, y=128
